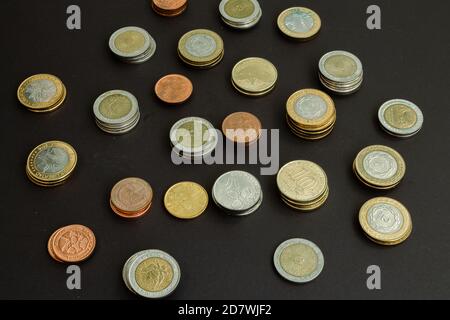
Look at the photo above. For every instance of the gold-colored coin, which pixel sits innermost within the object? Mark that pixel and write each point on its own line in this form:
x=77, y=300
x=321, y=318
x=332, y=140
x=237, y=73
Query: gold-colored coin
x=307, y=207
x=299, y=23
x=51, y=163
x=254, y=76
x=380, y=167
x=186, y=200
x=154, y=274
x=201, y=47
x=41, y=93
x=385, y=221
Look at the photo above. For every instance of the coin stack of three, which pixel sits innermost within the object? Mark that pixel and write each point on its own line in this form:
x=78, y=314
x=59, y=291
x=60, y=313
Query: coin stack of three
x=240, y=14
x=303, y=185
x=201, y=48
x=132, y=45
x=310, y=114
x=341, y=72
x=131, y=198
x=169, y=8
x=116, y=112
x=238, y=193
x=71, y=244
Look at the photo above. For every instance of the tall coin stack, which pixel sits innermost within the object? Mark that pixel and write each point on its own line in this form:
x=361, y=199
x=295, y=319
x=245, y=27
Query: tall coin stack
x=201, y=48
x=132, y=45
x=240, y=14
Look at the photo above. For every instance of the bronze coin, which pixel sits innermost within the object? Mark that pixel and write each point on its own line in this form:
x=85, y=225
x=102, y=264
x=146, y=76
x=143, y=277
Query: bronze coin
x=169, y=8
x=74, y=243
x=131, y=195
x=130, y=215
x=242, y=127
x=174, y=88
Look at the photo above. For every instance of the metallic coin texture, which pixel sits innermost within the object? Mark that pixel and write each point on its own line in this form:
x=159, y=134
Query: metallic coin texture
x=174, y=89
x=41, y=93
x=400, y=117
x=201, y=48
x=242, y=127
x=132, y=44
x=254, y=75
x=240, y=14
x=131, y=194
x=186, y=200
x=74, y=243
x=299, y=23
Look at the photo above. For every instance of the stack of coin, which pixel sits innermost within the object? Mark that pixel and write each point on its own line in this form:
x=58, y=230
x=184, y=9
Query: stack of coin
x=131, y=198
x=50, y=164
x=132, y=44
x=116, y=112
x=186, y=200
x=169, y=8
x=201, y=48
x=400, y=118
x=299, y=23
x=42, y=93
x=385, y=221
x=341, y=72
x=174, y=89
x=238, y=193
x=310, y=114
x=298, y=260
x=71, y=244
x=254, y=76
x=151, y=274
x=242, y=128
x=303, y=185
x=379, y=167
x=193, y=137
x=240, y=14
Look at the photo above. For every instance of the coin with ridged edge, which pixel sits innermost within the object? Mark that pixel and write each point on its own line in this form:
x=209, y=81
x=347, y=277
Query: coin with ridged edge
x=186, y=200
x=41, y=93
x=201, y=48
x=299, y=23
x=254, y=76
x=400, y=118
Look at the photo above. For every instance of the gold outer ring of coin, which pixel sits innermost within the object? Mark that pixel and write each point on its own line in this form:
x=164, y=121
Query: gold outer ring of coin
x=387, y=183
x=310, y=134
x=56, y=177
x=48, y=106
x=254, y=64
x=55, y=107
x=310, y=206
x=400, y=235
x=303, y=36
x=200, y=60
x=196, y=193
x=367, y=184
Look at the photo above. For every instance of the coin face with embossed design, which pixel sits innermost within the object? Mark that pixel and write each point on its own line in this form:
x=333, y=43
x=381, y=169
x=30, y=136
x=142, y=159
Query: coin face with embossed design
x=299, y=23
x=240, y=14
x=132, y=44
x=186, y=200
x=400, y=118
x=385, y=221
x=298, y=260
x=72, y=244
x=254, y=76
x=201, y=48
x=131, y=198
x=169, y=8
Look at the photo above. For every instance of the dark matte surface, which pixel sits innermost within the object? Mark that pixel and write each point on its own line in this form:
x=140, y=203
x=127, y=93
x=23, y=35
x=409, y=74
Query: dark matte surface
x=222, y=257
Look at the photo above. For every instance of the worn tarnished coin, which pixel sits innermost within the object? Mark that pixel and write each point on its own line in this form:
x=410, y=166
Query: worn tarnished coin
x=186, y=200
x=131, y=195
x=298, y=260
x=73, y=243
x=41, y=93
x=242, y=127
x=174, y=88
x=400, y=118
x=254, y=76
x=299, y=23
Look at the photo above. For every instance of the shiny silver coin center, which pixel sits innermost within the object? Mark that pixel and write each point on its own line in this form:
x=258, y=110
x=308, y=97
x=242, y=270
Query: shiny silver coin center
x=299, y=21
x=380, y=165
x=385, y=218
x=51, y=160
x=41, y=90
x=311, y=107
x=201, y=45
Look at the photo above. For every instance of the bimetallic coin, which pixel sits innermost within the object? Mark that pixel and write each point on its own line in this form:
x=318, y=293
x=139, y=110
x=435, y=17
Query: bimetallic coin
x=400, y=117
x=115, y=107
x=200, y=47
x=240, y=14
x=41, y=93
x=186, y=200
x=298, y=260
x=299, y=23
x=174, y=89
x=340, y=66
x=74, y=243
x=254, y=75
x=132, y=44
x=242, y=127
x=385, y=220
x=169, y=8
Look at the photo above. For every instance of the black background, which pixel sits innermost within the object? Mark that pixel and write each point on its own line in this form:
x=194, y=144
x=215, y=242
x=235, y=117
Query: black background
x=222, y=257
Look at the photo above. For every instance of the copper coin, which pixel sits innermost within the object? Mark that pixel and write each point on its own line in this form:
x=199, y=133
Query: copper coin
x=169, y=5
x=131, y=195
x=74, y=243
x=174, y=88
x=128, y=215
x=242, y=127
x=50, y=247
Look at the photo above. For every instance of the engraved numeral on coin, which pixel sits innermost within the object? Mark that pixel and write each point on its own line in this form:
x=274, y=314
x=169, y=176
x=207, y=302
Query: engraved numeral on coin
x=74, y=280
x=374, y=280
x=74, y=19
x=374, y=19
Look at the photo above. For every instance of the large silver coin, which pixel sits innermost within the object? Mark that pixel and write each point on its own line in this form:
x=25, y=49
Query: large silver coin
x=380, y=165
x=400, y=117
x=298, y=260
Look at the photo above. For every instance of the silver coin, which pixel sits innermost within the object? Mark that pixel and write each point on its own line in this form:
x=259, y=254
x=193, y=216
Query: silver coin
x=340, y=66
x=298, y=260
x=241, y=213
x=124, y=49
x=299, y=21
x=159, y=270
x=201, y=45
x=385, y=218
x=120, y=130
x=311, y=107
x=401, y=118
x=239, y=22
x=51, y=160
x=380, y=165
x=126, y=268
x=40, y=91
x=244, y=26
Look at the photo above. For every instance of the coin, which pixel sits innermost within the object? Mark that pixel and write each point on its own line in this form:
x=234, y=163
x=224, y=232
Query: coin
x=132, y=44
x=131, y=197
x=201, y=48
x=298, y=260
x=174, y=88
x=152, y=274
x=169, y=8
x=254, y=76
x=72, y=244
x=299, y=23
x=240, y=14
x=380, y=167
x=242, y=127
x=51, y=163
x=186, y=200
x=41, y=93
x=385, y=221
x=400, y=118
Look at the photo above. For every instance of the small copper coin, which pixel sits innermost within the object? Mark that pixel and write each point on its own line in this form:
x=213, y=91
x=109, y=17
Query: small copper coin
x=174, y=88
x=242, y=127
x=74, y=243
x=169, y=8
x=131, y=195
x=129, y=215
x=50, y=247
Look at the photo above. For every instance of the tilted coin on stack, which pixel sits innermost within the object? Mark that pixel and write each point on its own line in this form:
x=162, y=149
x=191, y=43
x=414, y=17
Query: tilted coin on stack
x=298, y=260
x=310, y=114
x=51, y=163
x=242, y=128
x=385, y=221
x=303, y=185
x=174, y=89
x=400, y=118
x=299, y=23
x=240, y=14
x=71, y=244
x=201, y=48
x=151, y=274
x=169, y=8
x=116, y=112
x=238, y=193
x=186, y=200
x=131, y=198
x=193, y=137
x=254, y=76
x=341, y=72
x=42, y=93
x=132, y=44
x=379, y=167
